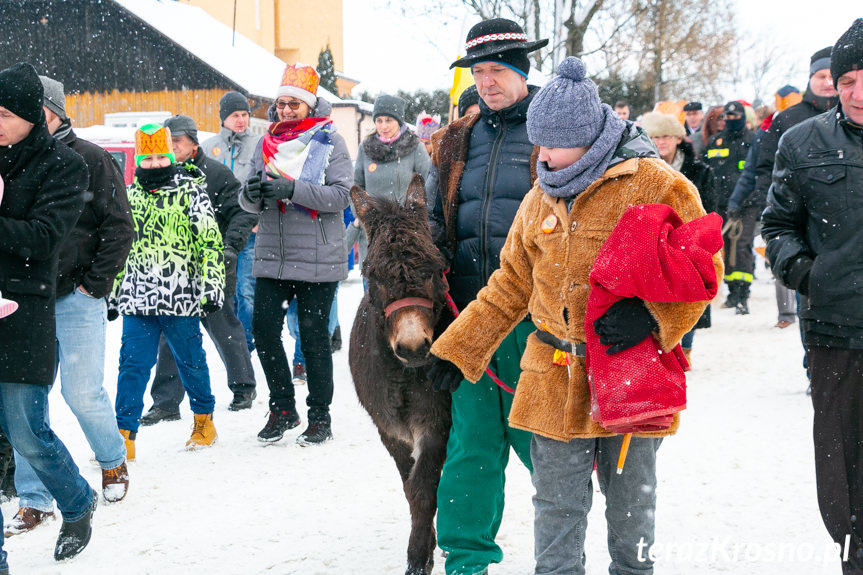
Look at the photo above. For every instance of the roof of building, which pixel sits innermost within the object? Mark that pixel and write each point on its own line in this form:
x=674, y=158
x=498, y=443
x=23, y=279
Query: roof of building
x=253, y=68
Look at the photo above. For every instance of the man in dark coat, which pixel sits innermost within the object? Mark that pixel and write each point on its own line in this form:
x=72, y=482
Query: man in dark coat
x=726, y=155
x=45, y=183
x=814, y=238
x=89, y=259
x=224, y=328
x=483, y=167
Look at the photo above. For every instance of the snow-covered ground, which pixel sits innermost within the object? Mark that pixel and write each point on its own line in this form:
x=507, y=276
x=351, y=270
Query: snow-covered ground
x=736, y=484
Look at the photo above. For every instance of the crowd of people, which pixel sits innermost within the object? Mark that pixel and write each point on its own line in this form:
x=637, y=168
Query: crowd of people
x=526, y=188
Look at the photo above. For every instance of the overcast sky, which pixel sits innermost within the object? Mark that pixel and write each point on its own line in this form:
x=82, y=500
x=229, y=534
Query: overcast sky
x=386, y=51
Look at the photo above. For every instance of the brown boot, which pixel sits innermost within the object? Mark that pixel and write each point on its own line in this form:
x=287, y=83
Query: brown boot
x=203, y=432
x=129, y=437
x=26, y=520
x=115, y=483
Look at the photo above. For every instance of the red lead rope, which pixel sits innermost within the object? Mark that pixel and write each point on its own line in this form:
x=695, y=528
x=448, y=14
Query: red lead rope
x=488, y=370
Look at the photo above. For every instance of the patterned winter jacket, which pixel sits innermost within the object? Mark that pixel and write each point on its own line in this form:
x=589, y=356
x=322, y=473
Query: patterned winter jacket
x=175, y=265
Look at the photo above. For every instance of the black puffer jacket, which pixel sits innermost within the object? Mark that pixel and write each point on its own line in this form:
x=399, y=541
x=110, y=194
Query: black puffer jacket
x=97, y=248
x=809, y=107
x=496, y=177
x=726, y=155
x=45, y=182
x=813, y=229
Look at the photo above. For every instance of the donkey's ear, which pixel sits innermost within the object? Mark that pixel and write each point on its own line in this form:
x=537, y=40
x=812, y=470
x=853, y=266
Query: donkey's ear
x=362, y=202
x=416, y=194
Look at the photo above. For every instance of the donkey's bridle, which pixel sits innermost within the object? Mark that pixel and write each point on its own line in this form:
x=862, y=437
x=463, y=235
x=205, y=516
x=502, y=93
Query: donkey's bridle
x=407, y=302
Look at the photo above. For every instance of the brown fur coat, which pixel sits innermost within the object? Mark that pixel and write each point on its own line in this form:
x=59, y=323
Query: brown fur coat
x=546, y=275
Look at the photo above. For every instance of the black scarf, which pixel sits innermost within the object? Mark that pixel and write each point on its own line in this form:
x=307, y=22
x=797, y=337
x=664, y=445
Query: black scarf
x=820, y=103
x=15, y=157
x=382, y=153
x=154, y=178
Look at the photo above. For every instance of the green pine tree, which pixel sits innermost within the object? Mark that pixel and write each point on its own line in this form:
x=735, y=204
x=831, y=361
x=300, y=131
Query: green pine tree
x=327, y=70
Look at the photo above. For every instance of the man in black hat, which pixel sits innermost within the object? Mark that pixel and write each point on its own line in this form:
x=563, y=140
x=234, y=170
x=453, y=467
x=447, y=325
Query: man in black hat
x=44, y=187
x=484, y=164
x=224, y=328
x=726, y=154
x=694, y=116
x=813, y=233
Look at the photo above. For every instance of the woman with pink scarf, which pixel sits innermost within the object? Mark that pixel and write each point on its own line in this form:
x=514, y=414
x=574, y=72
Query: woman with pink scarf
x=302, y=175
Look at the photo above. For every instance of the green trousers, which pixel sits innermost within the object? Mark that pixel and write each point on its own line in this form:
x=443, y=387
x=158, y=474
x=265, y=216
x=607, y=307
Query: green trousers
x=470, y=496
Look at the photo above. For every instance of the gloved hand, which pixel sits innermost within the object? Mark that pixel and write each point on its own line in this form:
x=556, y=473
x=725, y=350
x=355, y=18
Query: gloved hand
x=625, y=324
x=444, y=375
x=277, y=188
x=798, y=274
x=211, y=308
x=230, y=271
x=252, y=189
x=113, y=314
x=734, y=213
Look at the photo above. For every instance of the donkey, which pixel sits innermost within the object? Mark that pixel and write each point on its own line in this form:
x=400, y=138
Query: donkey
x=397, y=320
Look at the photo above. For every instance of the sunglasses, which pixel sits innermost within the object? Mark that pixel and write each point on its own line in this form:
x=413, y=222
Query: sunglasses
x=293, y=104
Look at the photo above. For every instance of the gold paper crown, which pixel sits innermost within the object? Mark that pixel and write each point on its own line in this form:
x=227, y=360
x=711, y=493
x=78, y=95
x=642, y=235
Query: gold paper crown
x=302, y=77
x=153, y=139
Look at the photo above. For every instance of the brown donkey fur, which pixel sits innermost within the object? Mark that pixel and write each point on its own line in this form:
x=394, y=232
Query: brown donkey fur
x=397, y=320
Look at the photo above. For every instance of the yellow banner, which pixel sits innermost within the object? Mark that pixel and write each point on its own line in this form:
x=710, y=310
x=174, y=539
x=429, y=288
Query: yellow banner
x=462, y=79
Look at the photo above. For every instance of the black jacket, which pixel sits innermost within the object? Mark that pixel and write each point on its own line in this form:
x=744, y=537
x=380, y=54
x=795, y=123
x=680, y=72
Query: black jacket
x=809, y=107
x=496, y=178
x=45, y=182
x=224, y=189
x=813, y=229
x=96, y=249
x=726, y=155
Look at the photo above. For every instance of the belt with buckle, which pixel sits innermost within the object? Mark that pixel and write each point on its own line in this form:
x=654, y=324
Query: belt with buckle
x=576, y=349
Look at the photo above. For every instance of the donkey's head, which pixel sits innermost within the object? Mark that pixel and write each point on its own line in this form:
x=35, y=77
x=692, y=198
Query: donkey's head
x=404, y=270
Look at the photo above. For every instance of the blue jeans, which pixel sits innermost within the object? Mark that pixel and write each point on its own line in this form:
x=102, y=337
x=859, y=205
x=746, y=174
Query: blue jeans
x=138, y=355
x=294, y=325
x=564, y=494
x=244, y=299
x=81, y=355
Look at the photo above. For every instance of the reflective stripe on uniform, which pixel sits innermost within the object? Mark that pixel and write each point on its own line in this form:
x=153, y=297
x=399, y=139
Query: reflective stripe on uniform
x=741, y=164
x=739, y=276
x=718, y=153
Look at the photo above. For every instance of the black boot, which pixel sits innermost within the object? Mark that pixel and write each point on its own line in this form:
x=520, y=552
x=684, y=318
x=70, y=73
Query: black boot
x=74, y=535
x=315, y=434
x=277, y=424
x=336, y=340
x=157, y=414
x=243, y=399
x=733, y=296
x=742, y=307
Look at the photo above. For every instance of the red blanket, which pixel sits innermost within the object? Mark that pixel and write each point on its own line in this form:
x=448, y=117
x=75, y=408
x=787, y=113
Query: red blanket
x=651, y=254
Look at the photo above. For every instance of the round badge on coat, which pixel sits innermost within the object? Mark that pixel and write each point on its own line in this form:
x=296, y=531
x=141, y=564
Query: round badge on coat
x=372, y=167
x=548, y=224
x=217, y=151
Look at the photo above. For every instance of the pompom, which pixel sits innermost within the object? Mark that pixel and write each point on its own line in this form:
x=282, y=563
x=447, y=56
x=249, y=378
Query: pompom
x=572, y=68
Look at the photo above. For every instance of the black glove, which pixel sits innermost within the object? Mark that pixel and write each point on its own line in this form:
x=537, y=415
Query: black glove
x=211, y=308
x=252, y=189
x=278, y=188
x=113, y=314
x=230, y=271
x=444, y=375
x=625, y=324
x=734, y=213
x=798, y=274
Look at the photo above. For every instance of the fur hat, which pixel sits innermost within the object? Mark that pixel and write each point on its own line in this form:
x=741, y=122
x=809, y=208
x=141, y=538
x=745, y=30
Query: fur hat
x=391, y=106
x=658, y=124
x=427, y=125
x=153, y=139
x=232, y=102
x=54, y=99
x=787, y=96
x=21, y=92
x=847, y=54
x=300, y=82
x=498, y=40
x=180, y=124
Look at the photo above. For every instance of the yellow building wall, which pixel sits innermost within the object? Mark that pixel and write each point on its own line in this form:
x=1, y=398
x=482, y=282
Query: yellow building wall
x=293, y=30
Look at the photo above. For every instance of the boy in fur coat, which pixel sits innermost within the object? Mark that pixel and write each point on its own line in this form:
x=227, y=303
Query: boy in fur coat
x=592, y=166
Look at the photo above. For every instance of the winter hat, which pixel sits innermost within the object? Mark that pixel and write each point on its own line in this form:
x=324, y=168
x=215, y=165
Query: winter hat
x=692, y=107
x=427, y=125
x=468, y=98
x=21, y=92
x=787, y=96
x=180, y=124
x=391, y=106
x=847, y=54
x=567, y=113
x=733, y=107
x=657, y=124
x=153, y=139
x=54, y=99
x=498, y=40
x=232, y=102
x=300, y=82
x=819, y=60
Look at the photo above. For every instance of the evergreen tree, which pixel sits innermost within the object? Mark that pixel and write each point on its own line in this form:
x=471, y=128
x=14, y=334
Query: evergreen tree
x=327, y=70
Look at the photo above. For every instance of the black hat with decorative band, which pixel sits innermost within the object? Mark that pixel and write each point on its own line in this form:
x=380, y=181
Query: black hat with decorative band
x=497, y=39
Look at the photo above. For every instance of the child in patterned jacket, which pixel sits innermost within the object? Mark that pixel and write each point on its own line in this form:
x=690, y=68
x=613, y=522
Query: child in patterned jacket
x=174, y=274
